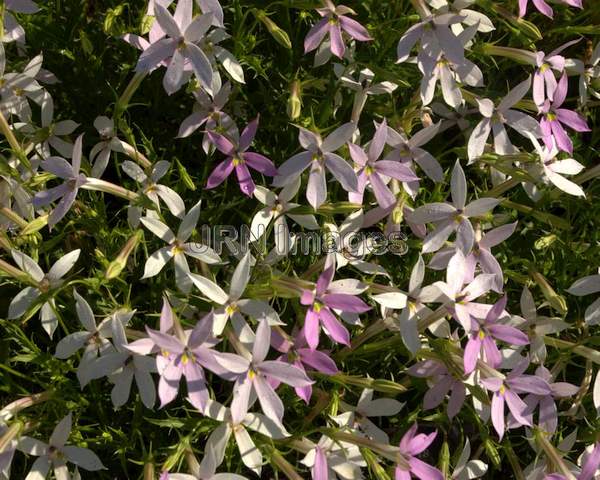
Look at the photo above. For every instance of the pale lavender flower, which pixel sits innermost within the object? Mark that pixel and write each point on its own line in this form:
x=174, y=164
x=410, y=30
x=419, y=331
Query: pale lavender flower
x=240, y=159
x=178, y=248
x=480, y=255
x=544, y=81
x=466, y=469
x=537, y=326
x=377, y=172
x=218, y=440
x=346, y=244
x=253, y=375
x=153, y=190
x=334, y=22
x=586, y=286
x=460, y=299
x=295, y=352
x=412, y=306
x=277, y=208
x=67, y=191
x=552, y=170
x=589, y=469
x=441, y=383
x=319, y=156
x=411, y=445
x=333, y=460
x=469, y=17
x=55, y=454
x=409, y=150
x=554, y=117
x=232, y=305
x=209, y=112
x=95, y=338
x=434, y=34
x=18, y=88
x=363, y=87
x=12, y=31
x=588, y=72
x=357, y=417
x=454, y=217
x=45, y=285
x=50, y=132
x=494, y=120
x=483, y=337
x=186, y=354
x=437, y=67
x=544, y=8
x=122, y=366
x=183, y=32
x=321, y=301
x=548, y=417
x=506, y=392
x=109, y=142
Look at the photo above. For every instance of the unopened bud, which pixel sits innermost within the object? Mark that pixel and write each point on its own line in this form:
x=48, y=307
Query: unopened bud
x=280, y=36
x=294, y=104
x=118, y=264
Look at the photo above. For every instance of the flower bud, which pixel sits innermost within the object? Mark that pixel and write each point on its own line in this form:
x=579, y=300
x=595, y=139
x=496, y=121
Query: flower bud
x=118, y=264
x=294, y=104
x=280, y=36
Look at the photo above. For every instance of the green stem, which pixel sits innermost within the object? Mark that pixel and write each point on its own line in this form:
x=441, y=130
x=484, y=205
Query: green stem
x=107, y=187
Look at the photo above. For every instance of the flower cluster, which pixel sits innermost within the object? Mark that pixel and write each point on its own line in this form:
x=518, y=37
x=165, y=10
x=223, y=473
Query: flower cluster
x=275, y=348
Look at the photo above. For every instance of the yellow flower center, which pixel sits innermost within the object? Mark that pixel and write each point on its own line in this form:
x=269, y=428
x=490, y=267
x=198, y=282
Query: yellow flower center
x=231, y=309
x=237, y=161
x=502, y=390
x=317, y=307
x=544, y=67
x=550, y=116
x=369, y=170
x=251, y=374
x=481, y=334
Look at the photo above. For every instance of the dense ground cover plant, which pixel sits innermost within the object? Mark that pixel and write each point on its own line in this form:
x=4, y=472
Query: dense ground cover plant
x=299, y=239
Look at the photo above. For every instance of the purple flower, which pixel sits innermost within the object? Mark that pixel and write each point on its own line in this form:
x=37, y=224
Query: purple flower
x=319, y=156
x=67, y=191
x=377, y=173
x=554, y=117
x=548, y=417
x=544, y=8
x=322, y=300
x=240, y=159
x=544, y=81
x=484, y=335
x=255, y=373
x=180, y=45
x=412, y=445
x=442, y=383
x=506, y=392
x=335, y=22
x=295, y=352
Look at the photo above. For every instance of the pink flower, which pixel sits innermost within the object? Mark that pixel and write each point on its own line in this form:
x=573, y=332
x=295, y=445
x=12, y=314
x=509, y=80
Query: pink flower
x=554, y=117
x=412, y=445
x=335, y=22
x=240, y=159
x=484, y=335
x=506, y=392
x=544, y=8
x=544, y=81
x=295, y=352
x=322, y=300
x=378, y=172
